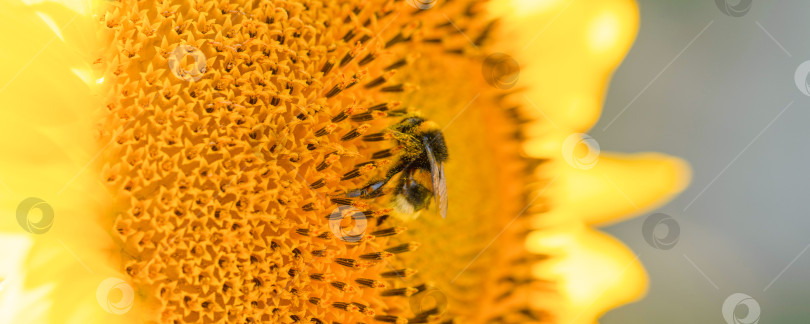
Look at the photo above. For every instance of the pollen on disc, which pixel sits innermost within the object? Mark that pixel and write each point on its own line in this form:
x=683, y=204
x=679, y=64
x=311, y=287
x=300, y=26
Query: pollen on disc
x=237, y=127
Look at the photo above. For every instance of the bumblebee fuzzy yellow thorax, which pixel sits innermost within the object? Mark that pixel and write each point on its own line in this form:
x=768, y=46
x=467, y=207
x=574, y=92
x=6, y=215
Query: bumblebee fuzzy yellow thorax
x=428, y=126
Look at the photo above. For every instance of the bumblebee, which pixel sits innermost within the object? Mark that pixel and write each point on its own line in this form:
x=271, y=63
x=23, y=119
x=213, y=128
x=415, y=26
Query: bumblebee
x=420, y=166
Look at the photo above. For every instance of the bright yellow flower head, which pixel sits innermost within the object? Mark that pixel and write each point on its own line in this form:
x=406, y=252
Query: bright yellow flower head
x=195, y=161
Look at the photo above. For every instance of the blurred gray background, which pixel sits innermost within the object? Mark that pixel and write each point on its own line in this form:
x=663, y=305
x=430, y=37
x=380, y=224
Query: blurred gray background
x=719, y=91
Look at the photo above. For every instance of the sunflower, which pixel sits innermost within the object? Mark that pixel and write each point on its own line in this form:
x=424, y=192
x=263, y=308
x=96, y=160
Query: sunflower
x=199, y=161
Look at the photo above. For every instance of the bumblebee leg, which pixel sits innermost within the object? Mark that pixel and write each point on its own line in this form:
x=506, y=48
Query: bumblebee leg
x=368, y=190
x=374, y=189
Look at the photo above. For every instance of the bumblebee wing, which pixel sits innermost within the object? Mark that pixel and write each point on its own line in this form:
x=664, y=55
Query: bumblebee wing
x=438, y=180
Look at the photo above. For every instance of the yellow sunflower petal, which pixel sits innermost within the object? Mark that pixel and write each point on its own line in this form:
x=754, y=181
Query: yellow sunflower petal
x=595, y=272
x=52, y=106
x=565, y=89
x=567, y=80
x=621, y=186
